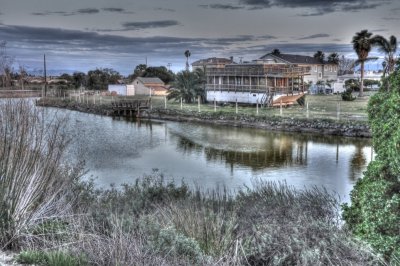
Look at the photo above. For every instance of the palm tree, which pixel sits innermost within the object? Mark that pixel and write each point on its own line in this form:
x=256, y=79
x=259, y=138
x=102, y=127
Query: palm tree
x=187, y=54
x=320, y=56
x=186, y=86
x=389, y=47
x=333, y=58
x=362, y=45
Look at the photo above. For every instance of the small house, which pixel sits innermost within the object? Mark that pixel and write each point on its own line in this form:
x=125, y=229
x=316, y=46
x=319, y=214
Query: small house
x=149, y=86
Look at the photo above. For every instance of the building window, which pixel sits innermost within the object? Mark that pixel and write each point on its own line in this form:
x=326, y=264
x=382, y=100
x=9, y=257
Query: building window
x=326, y=68
x=330, y=68
x=334, y=68
x=315, y=68
x=320, y=75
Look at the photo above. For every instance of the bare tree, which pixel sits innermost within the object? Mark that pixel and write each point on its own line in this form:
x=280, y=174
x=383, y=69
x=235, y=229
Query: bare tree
x=6, y=62
x=22, y=75
x=346, y=65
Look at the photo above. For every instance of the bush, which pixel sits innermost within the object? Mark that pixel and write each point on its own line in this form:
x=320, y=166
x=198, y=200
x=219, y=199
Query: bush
x=34, y=180
x=374, y=214
x=347, y=95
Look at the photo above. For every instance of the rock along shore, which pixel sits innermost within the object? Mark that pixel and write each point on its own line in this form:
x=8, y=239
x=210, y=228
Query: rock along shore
x=348, y=128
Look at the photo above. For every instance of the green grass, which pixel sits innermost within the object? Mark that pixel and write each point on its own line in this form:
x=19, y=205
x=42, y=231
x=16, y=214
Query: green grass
x=50, y=258
x=319, y=106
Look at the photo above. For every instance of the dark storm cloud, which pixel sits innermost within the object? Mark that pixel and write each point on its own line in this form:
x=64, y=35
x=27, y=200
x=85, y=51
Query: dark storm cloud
x=222, y=6
x=318, y=7
x=314, y=36
x=149, y=24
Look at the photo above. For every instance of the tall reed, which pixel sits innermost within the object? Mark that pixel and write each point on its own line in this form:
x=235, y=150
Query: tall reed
x=33, y=177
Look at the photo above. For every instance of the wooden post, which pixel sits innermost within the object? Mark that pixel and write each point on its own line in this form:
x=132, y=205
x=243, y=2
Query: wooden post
x=165, y=102
x=87, y=99
x=94, y=99
x=281, y=111
x=215, y=105
x=198, y=102
x=257, y=107
x=181, y=103
x=308, y=114
x=236, y=105
x=338, y=111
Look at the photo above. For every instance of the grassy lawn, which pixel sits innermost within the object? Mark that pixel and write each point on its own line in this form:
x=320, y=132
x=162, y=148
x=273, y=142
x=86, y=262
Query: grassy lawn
x=319, y=106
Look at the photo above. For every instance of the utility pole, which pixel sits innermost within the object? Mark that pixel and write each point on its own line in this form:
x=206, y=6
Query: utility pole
x=45, y=77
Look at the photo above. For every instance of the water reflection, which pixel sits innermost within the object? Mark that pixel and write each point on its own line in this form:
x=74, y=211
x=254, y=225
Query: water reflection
x=122, y=150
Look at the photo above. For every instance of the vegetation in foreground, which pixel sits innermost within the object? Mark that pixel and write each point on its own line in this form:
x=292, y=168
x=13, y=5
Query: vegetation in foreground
x=374, y=214
x=56, y=220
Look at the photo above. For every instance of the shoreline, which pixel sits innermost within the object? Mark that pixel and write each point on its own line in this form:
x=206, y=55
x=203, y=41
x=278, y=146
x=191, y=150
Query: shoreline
x=346, y=128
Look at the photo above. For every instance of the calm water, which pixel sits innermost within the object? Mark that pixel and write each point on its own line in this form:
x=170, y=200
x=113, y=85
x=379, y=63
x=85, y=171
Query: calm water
x=120, y=151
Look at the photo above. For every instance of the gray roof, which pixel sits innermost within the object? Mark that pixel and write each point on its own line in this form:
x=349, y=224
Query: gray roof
x=212, y=60
x=296, y=59
x=150, y=80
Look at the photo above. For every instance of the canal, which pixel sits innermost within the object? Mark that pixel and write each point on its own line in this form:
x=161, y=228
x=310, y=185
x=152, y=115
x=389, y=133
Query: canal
x=118, y=151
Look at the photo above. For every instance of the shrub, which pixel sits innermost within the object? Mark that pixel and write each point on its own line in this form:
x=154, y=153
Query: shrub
x=374, y=214
x=347, y=95
x=34, y=180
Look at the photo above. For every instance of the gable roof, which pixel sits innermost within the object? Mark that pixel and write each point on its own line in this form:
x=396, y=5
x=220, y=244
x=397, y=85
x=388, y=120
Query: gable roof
x=295, y=59
x=150, y=80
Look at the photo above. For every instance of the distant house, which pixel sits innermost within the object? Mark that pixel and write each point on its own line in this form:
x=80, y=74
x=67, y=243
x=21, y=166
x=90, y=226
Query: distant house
x=140, y=86
x=149, y=86
x=319, y=71
x=212, y=62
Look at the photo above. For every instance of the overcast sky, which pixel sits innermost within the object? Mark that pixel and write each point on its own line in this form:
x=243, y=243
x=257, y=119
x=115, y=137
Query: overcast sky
x=120, y=34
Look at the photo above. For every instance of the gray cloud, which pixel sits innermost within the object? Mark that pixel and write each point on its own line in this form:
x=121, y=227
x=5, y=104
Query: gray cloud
x=116, y=10
x=83, y=11
x=222, y=6
x=317, y=7
x=149, y=24
x=82, y=50
x=48, y=13
x=88, y=11
x=164, y=9
x=314, y=36
x=113, y=9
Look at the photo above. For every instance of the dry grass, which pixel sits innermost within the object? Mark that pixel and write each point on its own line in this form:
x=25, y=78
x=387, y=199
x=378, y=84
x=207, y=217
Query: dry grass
x=33, y=178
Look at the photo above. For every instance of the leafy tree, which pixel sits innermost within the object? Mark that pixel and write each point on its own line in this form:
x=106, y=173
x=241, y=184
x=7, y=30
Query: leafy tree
x=362, y=45
x=333, y=58
x=374, y=213
x=320, y=56
x=79, y=79
x=138, y=72
x=100, y=78
x=188, y=86
x=187, y=55
x=276, y=52
x=160, y=72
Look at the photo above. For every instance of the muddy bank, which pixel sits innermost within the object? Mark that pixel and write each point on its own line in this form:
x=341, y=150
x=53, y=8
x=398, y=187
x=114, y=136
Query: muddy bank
x=317, y=126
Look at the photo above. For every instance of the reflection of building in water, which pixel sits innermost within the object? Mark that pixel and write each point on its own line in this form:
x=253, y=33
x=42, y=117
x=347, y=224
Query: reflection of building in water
x=275, y=153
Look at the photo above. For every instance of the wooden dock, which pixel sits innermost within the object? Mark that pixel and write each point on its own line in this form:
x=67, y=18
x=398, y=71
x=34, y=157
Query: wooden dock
x=286, y=101
x=129, y=108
